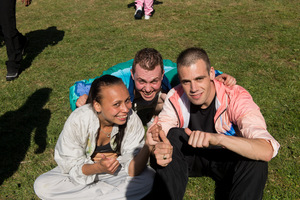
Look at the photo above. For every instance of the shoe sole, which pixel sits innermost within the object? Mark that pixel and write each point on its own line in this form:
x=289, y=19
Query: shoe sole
x=10, y=78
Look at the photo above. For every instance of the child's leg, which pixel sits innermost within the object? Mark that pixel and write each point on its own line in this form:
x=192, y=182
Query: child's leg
x=139, y=3
x=139, y=9
x=148, y=7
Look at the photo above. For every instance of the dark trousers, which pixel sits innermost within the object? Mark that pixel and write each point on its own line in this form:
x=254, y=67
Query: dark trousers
x=14, y=40
x=236, y=177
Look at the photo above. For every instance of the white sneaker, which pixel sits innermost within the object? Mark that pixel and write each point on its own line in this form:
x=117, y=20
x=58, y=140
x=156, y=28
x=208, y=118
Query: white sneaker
x=147, y=17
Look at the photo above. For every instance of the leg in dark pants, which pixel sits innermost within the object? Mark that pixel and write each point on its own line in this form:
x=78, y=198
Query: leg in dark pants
x=249, y=180
x=236, y=177
x=170, y=181
x=14, y=40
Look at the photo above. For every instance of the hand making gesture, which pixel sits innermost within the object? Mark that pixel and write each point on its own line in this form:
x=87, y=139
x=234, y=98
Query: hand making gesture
x=163, y=149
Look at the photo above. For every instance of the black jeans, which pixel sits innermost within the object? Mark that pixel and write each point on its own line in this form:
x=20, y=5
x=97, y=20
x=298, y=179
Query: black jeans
x=236, y=177
x=14, y=40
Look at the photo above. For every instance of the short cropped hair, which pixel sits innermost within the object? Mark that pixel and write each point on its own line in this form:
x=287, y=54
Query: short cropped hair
x=148, y=59
x=191, y=56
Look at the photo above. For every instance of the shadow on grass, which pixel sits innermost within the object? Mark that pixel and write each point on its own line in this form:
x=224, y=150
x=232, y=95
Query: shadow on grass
x=1, y=42
x=38, y=41
x=16, y=128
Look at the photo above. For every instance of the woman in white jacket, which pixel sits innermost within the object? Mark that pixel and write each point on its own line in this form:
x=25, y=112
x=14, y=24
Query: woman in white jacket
x=100, y=153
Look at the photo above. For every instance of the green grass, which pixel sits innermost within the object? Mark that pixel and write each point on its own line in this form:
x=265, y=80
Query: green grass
x=256, y=41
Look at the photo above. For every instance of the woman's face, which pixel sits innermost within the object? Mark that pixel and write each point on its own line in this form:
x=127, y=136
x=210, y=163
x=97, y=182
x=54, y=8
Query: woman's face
x=114, y=105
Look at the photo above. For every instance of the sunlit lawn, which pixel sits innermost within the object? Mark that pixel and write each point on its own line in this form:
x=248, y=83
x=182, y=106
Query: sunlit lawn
x=255, y=41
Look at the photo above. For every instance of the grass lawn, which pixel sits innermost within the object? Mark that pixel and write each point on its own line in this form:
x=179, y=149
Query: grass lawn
x=256, y=41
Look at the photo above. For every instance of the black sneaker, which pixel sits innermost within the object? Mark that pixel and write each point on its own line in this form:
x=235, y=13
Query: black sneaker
x=138, y=14
x=11, y=76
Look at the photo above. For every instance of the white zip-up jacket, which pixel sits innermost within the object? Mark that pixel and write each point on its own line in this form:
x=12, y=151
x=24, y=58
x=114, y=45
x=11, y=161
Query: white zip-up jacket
x=77, y=142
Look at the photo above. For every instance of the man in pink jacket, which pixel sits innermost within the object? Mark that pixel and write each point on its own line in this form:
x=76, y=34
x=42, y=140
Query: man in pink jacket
x=212, y=130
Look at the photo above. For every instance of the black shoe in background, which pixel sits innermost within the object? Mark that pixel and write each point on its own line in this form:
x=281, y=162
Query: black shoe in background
x=138, y=14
